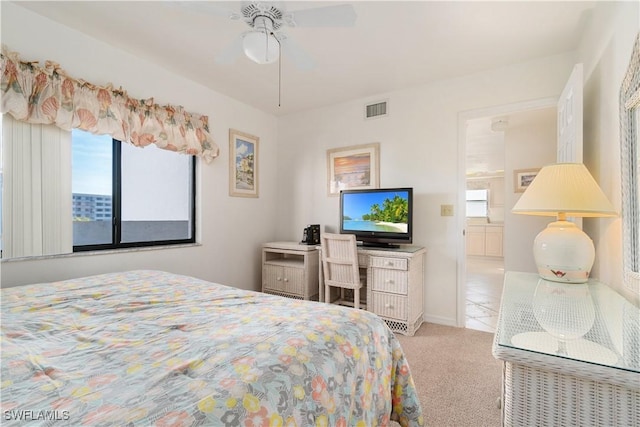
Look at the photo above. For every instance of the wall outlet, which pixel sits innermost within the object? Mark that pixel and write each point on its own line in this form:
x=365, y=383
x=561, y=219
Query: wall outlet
x=446, y=210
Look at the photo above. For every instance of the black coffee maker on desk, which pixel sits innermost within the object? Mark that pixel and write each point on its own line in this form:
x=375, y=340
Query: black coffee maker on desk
x=311, y=235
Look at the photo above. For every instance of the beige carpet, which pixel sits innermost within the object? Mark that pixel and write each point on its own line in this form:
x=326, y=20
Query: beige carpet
x=457, y=378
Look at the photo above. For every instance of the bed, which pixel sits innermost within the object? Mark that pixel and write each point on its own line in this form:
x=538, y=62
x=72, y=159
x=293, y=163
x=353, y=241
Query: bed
x=146, y=347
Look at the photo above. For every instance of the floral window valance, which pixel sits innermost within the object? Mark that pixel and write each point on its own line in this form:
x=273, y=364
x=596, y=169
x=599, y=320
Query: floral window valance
x=47, y=95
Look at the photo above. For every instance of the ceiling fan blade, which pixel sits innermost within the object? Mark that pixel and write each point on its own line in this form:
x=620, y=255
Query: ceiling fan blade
x=342, y=15
x=293, y=51
x=231, y=52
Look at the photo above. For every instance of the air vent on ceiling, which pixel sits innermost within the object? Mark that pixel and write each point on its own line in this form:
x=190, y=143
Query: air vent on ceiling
x=378, y=109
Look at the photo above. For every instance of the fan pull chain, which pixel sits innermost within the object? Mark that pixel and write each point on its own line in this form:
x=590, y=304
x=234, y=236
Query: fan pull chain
x=266, y=45
x=279, y=71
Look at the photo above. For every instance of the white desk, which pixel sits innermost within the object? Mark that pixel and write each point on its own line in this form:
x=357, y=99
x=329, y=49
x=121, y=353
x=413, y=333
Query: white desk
x=571, y=354
x=395, y=285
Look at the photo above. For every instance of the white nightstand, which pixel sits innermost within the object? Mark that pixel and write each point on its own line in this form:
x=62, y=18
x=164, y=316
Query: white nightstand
x=290, y=269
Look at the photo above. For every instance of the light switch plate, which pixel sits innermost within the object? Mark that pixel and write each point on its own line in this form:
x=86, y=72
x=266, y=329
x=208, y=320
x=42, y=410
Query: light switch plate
x=446, y=210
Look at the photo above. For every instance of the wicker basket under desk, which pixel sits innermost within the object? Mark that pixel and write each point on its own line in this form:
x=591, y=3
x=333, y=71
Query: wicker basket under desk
x=541, y=388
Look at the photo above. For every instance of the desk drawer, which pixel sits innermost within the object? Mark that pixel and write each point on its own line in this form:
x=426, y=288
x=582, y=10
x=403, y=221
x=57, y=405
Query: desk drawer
x=390, y=263
x=388, y=305
x=393, y=281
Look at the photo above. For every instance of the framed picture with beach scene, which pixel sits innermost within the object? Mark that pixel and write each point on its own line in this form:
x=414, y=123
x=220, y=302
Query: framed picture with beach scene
x=243, y=164
x=353, y=168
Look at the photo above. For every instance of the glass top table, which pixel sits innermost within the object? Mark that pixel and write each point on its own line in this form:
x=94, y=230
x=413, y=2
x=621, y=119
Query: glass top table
x=581, y=327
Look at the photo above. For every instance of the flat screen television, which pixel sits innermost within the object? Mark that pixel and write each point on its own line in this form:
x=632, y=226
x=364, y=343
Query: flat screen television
x=378, y=217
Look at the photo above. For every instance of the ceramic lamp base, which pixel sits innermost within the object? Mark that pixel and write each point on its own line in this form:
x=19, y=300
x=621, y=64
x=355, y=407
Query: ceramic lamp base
x=563, y=253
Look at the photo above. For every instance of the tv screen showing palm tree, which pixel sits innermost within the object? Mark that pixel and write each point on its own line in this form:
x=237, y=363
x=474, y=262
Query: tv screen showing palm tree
x=376, y=211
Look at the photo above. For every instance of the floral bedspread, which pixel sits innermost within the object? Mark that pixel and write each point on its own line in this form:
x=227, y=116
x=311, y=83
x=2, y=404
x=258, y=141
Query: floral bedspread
x=146, y=348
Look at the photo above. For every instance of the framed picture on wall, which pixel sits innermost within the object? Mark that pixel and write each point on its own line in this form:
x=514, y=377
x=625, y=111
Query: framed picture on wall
x=522, y=178
x=353, y=168
x=243, y=164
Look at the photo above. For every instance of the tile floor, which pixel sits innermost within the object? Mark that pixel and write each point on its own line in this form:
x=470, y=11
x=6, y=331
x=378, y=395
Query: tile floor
x=484, y=289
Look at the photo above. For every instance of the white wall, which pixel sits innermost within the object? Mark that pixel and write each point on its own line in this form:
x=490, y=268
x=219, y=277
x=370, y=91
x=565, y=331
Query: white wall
x=605, y=51
x=230, y=230
x=418, y=148
x=530, y=142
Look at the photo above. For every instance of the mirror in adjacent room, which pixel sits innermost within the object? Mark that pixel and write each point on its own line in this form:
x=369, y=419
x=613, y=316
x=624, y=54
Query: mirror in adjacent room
x=630, y=169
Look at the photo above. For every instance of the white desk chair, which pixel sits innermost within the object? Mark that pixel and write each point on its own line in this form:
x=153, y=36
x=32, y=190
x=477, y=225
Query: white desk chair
x=340, y=266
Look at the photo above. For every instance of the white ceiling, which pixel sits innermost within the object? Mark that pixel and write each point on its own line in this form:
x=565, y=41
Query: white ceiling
x=393, y=45
x=485, y=143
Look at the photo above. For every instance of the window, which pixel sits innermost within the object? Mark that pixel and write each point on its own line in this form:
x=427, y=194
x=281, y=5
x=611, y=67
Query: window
x=478, y=203
x=125, y=196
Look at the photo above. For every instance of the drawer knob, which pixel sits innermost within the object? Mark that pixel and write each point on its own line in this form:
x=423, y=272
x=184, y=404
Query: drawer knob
x=387, y=305
x=279, y=279
x=389, y=263
x=286, y=280
x=390, y=281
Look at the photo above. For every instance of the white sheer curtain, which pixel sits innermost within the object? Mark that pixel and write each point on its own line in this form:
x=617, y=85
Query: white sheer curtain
x=36, y=205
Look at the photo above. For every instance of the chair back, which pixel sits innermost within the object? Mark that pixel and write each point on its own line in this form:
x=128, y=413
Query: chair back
x=340, y=260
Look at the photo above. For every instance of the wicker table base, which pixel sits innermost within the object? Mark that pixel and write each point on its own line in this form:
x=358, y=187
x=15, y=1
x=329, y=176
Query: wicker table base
x=593, y=380
x=536, y=397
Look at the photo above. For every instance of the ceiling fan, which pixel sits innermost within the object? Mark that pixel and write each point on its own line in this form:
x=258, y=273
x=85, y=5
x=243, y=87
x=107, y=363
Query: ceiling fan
x=264, y=41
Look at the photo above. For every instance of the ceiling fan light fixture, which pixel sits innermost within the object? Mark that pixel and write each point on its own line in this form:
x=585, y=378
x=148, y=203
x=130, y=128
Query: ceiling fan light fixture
x=261, y=47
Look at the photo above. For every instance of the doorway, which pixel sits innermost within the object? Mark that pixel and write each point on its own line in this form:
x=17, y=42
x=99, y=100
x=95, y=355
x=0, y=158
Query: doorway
x=484, y=215
x=497, y=242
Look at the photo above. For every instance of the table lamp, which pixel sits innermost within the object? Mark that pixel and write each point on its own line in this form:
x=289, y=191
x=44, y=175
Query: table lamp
x=562, y=251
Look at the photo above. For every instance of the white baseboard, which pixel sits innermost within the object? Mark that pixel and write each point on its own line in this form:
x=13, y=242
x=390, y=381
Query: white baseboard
x=439, y=320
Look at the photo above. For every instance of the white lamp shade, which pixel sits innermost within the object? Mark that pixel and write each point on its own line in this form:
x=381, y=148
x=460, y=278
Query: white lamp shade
x=563, y=252
x=565, y=188
x=261, y=47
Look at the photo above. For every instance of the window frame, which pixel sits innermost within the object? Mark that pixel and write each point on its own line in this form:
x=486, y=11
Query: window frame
x=116, y=210
x=485, y=200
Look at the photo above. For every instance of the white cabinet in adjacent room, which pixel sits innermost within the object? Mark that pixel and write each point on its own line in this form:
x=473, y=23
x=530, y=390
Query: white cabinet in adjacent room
x=475, y=240
x=496, y=192
x=493, y=241
x=484, y=240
